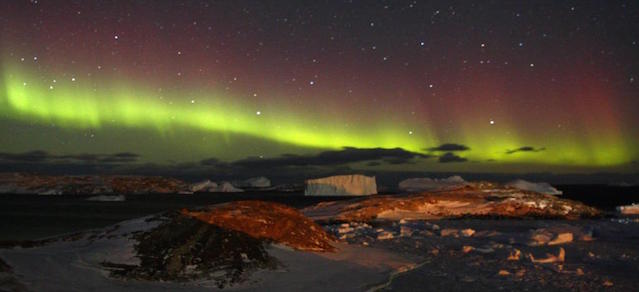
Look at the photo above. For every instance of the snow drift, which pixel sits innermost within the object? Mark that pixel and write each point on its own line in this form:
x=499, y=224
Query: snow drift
x=341, y=185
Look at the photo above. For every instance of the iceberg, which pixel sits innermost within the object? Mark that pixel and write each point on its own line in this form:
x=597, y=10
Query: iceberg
x=341, y=185
x=254, y=182
x=540, y=187
x=208, y=186
x=203, y=186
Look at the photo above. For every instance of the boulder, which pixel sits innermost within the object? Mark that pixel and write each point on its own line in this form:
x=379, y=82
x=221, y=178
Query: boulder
x=341, y=185
x=427, y=184
x=562, y=238
x=540, y=187
x=629, y=209
x=550, y=258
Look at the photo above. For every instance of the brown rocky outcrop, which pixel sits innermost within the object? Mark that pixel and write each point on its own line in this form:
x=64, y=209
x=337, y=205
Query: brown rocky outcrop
x=94, y=184
x=477, y=200
x=265, y=220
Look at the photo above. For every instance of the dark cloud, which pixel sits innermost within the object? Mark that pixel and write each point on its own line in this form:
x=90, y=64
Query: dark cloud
x=525, y=149
x=449, y=147
x=374, y=163
x=124, y=157
x=31, y=156
x=335, y=157
x=211, y=162
x=451, y=157
x=39, y=156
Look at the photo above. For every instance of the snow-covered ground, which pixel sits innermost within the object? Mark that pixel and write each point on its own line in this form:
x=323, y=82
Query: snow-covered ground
x=401, y=243
x=78, y=264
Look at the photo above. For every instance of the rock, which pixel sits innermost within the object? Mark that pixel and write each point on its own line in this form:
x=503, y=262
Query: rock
x=82, y=185
x=560, y=258
x=541, y=187
x=467, y=232
x=561, y=239
x=629, y=209
x=449, y=232
x=515, y=255
x=345, y=228
x=485, y=249
x=259, y=182
x=384, y=235
x=266, y=220
x=608, y=283
x=472, y=200
x=467, y=248
x=486, y=233
x=341, y=185
x=405, y=231
x=503, y=273
x=429, y=184
x=540, y=237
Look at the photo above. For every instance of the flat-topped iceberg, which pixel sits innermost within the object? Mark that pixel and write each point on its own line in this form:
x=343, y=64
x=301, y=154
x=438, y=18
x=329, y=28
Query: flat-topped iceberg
x=341, y=185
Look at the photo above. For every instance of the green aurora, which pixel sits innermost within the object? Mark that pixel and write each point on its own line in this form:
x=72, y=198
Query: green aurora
x=76, y=106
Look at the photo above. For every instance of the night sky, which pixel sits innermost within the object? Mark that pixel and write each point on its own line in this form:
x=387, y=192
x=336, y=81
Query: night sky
x=487, y=87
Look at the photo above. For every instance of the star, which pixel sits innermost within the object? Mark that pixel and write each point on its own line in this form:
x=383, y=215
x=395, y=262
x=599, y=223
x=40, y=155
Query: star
x=258, y=113
x=492, y=122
